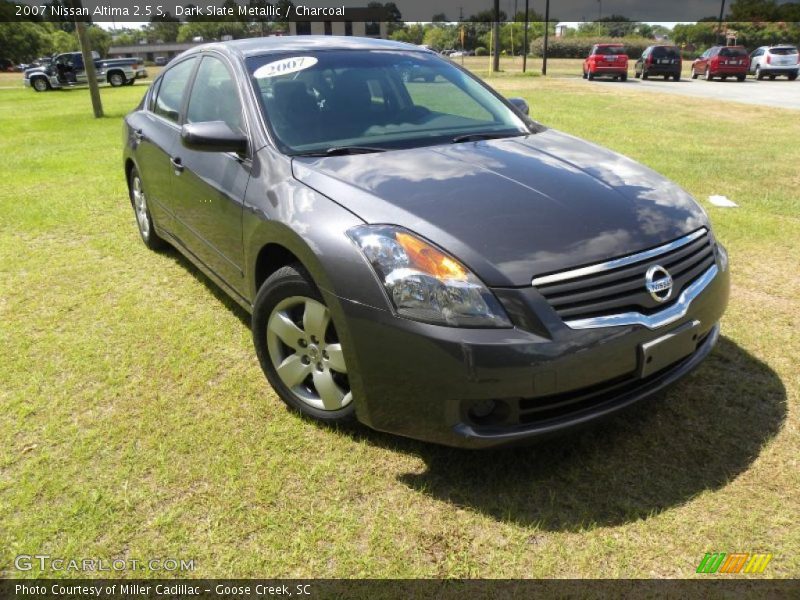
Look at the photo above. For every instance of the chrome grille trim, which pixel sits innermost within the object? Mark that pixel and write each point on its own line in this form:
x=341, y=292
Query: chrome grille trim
x=664, y=317
x=620, y=262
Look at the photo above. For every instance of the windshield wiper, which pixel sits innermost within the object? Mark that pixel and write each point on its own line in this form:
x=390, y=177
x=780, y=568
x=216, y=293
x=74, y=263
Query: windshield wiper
x=340, y=150
x=475, y=137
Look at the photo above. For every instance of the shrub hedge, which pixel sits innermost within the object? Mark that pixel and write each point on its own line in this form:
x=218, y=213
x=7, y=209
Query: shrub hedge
x=579, y=47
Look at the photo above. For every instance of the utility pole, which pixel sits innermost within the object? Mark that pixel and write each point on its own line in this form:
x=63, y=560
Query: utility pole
x=719, y=23
x=88, y=65
x=546, y=35
x=496, y=37
x=525, y=40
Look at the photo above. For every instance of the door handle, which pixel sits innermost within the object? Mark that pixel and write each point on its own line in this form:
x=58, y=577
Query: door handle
x=176, y=164
x=139, y=135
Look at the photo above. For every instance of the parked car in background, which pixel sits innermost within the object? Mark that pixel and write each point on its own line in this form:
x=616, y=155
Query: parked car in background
x=67, y=70
x=423, y=257
x=607, y=60
x=659, y=60
x=722, y=62
x=160, y=61
x=773, y=61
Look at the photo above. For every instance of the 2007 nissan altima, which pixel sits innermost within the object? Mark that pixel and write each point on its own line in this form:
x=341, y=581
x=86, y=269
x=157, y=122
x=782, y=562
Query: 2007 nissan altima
x=415, y=251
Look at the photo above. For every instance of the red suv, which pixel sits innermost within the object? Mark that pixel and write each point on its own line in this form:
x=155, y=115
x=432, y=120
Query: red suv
x=606, y=59
x=722, y=61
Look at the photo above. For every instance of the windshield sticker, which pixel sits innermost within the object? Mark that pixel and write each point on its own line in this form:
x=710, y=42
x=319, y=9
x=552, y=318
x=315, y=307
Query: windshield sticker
x=285, y=66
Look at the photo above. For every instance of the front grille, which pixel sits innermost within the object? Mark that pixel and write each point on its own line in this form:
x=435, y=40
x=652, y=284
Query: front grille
x=619, y=285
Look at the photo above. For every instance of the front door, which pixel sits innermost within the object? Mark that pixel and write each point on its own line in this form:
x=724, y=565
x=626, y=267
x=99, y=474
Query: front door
x=210, y=186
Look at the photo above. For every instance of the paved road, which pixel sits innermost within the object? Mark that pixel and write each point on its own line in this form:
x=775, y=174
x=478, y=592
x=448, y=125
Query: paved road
x=781, y=92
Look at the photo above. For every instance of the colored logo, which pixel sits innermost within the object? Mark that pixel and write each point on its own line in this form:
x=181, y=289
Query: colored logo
x=737, y=562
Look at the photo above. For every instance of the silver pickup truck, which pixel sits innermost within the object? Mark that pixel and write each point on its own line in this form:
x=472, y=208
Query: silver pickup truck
x=67, y=70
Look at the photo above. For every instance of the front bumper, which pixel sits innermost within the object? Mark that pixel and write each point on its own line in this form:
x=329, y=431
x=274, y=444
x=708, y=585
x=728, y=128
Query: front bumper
x=141, y=74
x=422, y=381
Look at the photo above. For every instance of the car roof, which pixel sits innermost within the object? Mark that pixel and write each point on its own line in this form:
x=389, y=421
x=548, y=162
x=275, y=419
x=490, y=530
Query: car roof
x=303, y=43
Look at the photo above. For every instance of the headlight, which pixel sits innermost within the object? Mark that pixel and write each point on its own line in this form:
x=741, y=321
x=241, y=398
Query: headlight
x=424, y=283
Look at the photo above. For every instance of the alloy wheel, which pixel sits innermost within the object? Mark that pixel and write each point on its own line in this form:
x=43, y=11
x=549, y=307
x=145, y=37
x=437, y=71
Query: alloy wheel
x=307, y=354
x=140, y=206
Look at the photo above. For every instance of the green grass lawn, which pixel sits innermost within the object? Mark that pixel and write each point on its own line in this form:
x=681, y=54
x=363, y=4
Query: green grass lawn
x=136, y=422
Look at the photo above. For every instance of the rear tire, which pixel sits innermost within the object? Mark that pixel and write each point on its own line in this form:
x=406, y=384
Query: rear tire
x=298, y=348
x=741, y=77
x=677, y=77
x=590, y=76
x=707, y=75
x=694, y=73
x=130, y=82
x=116, y=79
x=792, y=77
x=636, y=74
x=772, y=77
x=644, y=75
x=144, y=220
x=624, y=77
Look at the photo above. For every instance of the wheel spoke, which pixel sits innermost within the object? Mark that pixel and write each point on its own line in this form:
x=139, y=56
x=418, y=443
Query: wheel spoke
x=315, y=319
x=292, y=371
x=336, y=358
x=289, y=333
x=328, y=391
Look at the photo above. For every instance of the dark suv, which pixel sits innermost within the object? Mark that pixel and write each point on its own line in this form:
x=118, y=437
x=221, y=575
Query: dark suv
x=659, y=60
x=421, y=255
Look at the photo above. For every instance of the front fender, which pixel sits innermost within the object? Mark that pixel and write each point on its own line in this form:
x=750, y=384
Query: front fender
x=281, y=210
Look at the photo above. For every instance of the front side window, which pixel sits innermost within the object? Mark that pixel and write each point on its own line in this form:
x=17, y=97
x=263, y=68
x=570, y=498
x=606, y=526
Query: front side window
x=170, y=93
x=389, y=99
x=214, y=96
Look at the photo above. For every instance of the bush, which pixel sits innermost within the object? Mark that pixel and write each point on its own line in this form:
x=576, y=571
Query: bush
x=481, y=51
x=577, y=47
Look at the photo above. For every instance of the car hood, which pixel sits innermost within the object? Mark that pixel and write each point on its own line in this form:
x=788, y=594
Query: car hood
x=513, y=208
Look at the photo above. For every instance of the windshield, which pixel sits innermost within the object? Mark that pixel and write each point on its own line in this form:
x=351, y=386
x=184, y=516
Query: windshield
x=733, y=52
x=609, y=50
x=665, y=52
x=316, y=101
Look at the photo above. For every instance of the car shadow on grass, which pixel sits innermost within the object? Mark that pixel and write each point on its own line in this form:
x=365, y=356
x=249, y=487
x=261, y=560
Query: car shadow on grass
x=658, y=454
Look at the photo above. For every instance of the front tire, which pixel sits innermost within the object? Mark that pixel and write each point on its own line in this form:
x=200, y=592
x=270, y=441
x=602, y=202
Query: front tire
x=759, y=74
x=144, y=220
x=299, y=349
x=40, y=84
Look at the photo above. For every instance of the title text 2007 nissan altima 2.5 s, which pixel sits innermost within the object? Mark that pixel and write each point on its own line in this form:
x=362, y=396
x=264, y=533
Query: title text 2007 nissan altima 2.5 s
x=415, y=251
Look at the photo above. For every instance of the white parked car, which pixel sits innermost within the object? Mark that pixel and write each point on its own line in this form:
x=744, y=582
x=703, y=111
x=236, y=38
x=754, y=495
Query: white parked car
x=772, y=61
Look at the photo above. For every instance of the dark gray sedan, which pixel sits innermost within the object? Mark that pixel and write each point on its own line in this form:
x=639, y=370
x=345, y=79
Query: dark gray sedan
x=417, y=253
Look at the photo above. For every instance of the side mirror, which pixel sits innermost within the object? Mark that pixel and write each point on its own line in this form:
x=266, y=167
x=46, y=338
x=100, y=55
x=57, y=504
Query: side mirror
x=520, y=105
x=213, y=136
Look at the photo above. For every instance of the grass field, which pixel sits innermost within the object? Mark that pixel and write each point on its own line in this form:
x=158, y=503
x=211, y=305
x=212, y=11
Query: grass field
x=137, y=424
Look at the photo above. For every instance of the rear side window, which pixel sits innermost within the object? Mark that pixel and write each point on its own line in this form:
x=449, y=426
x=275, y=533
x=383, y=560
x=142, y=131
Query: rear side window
x=783, y=51
x=214, y=96
x=170, y=92
x=733, y=52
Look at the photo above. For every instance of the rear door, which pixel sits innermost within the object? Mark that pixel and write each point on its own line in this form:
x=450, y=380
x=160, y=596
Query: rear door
x=156, y=131
x=210, y=186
